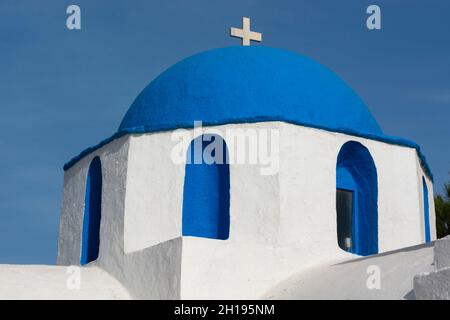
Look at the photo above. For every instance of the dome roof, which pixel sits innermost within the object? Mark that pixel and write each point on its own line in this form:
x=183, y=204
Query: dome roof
x=248, y=84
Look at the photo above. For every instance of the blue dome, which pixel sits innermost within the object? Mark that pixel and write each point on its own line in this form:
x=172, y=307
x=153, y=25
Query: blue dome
x=248, y=84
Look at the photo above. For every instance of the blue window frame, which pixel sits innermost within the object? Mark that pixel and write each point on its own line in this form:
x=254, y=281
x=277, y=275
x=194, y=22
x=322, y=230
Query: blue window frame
x=92, y=213
x=206, y=195
x=356, y=173
x=426, y=210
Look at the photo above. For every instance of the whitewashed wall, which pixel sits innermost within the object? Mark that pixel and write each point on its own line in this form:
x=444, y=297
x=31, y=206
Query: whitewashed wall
x=304, y=234
x=155, y=189
x=309, y=180
x=154, y=192
x=114, y=166
x=151, y=273
x=279, y=223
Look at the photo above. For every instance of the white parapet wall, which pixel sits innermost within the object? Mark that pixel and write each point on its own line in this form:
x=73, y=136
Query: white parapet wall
x=435, y=284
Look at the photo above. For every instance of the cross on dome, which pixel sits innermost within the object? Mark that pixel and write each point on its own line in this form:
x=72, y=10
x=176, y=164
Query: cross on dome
x=245, y=33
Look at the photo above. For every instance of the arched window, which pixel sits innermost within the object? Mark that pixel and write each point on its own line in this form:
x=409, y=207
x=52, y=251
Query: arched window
x=92, y=213
x=426, y=210
x=206, y=195
x=356, y=200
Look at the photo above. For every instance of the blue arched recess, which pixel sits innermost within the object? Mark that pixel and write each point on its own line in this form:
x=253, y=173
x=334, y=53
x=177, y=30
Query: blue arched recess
x=206, y=196
x=426, y=210
x=92, y=213
x=356, y=200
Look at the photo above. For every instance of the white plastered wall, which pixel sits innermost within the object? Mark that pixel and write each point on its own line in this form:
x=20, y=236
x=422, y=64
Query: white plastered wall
x=433, y=232
x=113, y=159
x=155, y=193
x=431, y=208
x=304, y=234
x=308, y=178
x=154, y=207
x=279, y=223
x=149, y=273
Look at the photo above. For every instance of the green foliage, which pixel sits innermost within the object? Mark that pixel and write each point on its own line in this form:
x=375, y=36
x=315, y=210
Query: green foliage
x=442, y=205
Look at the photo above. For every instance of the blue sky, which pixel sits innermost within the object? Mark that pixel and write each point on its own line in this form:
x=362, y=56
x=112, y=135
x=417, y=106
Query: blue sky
x=62, y=91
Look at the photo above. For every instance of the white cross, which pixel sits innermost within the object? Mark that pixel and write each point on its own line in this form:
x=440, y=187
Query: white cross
x=245, y=33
